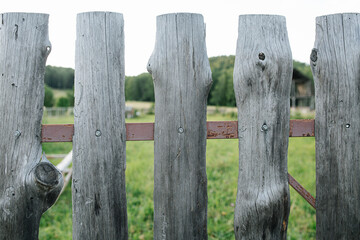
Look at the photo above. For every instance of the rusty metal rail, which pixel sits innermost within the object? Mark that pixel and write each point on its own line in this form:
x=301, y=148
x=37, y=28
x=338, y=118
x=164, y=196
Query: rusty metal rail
x=215, y=130
x=145, y=131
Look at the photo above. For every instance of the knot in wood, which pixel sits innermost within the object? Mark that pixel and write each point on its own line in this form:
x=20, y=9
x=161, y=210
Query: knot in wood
x=313, y=56
x=262, y=56
x=47, y=175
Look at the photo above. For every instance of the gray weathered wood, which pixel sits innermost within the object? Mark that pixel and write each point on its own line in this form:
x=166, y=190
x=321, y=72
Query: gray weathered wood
x=99, y=198
x=335, y=64
x=182, y=79
x=262, y=80
x=29, y=184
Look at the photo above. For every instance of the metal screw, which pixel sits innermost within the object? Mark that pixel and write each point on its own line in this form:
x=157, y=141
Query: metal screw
x=264, y=127
x=347, y=125
x=261, y=56
x=17, y=133
x=180, y=130
x=98, y=133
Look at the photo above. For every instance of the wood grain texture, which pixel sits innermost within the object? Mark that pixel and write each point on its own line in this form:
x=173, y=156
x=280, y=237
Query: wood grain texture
x=29, y=184
x=99, y=198
x=335, y=64
x=182, y=78
x=262, y=79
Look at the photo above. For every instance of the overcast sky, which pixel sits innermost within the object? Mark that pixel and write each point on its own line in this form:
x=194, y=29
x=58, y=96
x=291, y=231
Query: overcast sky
x=220, y=16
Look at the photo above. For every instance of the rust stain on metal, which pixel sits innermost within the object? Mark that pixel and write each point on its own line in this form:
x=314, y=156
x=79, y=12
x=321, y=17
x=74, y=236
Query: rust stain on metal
x=302, y=191
x=302, y=128
x=222, y=130
x=57, y=132
x=139, y=131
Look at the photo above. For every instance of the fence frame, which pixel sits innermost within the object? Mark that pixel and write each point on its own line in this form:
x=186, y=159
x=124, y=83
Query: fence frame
x=335, y=66
x=215, y=130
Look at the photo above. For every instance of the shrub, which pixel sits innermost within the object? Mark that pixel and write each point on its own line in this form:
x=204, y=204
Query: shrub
x=63, y=102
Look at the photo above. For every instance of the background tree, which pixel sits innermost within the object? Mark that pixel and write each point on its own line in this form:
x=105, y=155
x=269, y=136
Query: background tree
x=49, y=99
x=59, y=77
x=139, y=88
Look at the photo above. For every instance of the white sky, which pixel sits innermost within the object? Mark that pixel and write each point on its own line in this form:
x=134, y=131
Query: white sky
x=221, y=18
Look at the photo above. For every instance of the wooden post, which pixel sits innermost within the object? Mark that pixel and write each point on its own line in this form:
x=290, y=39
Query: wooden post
x=182, y=78
x=99, y=198
x=29, y=183
x=262, y=82
x=335, y=64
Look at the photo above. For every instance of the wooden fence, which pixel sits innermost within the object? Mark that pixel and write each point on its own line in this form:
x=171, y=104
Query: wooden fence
x=182, y=78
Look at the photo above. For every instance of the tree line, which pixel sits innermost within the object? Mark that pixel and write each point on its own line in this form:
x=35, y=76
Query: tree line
x=141, y=87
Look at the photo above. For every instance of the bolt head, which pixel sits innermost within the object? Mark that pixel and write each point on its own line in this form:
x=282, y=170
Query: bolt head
x=98, y=133
x=17, y=133
x=264, y=127
x=180, y=130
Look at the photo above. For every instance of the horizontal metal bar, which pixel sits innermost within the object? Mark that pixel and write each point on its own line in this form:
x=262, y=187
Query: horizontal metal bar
x=57, y=132
x=145, y=131
x=302, y=128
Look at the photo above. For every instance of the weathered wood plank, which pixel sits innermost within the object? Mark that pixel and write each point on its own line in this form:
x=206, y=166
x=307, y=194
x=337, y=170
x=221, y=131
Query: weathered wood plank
x=262, y=79
x=29, y=183
x=335, y=64
x=182, y=78
x=99, y=198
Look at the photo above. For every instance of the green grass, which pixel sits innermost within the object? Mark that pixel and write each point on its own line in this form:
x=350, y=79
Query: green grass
x=222, y=173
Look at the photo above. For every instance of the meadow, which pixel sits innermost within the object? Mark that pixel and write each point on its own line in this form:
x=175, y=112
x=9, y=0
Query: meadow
x=222, y=173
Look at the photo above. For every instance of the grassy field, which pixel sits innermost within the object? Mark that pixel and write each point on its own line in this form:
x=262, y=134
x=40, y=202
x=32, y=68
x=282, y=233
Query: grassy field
x=222, y=172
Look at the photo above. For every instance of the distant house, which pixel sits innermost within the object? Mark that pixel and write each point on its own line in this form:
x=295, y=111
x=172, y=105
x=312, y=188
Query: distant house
x=302, y=91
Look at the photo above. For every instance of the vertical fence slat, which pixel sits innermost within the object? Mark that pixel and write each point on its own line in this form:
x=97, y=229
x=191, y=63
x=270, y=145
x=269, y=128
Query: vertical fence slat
x=182, y=79
x=335, y=64
x=262, y=79
x=99, y=198
x=28, y=187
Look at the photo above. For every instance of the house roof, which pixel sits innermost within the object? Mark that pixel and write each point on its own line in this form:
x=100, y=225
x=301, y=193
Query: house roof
x=298, y=77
